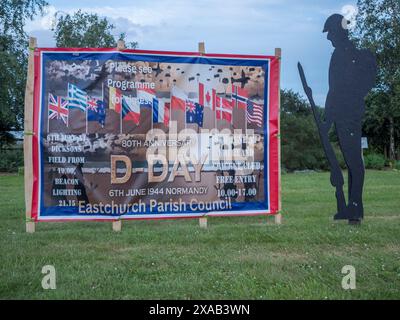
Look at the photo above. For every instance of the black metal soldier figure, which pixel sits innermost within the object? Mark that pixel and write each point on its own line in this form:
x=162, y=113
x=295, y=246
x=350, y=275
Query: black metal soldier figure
x=352, y=74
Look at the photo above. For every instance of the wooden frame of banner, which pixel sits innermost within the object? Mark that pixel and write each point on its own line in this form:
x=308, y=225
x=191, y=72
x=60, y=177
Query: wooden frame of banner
x=278, y=216
x=28, y=135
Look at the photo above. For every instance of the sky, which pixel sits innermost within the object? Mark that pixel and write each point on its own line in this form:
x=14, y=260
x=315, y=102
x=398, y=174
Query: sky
x=234, y=26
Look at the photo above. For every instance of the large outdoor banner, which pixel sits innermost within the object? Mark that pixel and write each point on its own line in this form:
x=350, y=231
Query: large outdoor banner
x=135, y=134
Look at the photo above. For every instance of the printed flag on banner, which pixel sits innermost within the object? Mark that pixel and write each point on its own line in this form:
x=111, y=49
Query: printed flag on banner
x=114, y=99
x=222, y=106
x=146, y=97
x=205, y=95
x=239, y=97
x=194, y=113
x=58, y=108
x=77, y=98
x=254, y=113
x=96, y=110
x=161, y=110
x=178, y=98
x=130, y=109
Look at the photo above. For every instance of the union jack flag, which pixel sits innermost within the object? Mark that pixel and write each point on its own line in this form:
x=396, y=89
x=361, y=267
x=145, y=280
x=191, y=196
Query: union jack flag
x=58, y=108
x=190, y=106
x=194, y=113
x=92, y=104
x=96, y=110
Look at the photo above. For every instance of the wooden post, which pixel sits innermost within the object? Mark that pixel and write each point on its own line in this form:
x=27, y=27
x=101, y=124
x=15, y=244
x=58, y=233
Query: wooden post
x=28, y=134
x=202, y=48
x=121, y=45
x=278, y=216
x=117, y=224
x=203, y=220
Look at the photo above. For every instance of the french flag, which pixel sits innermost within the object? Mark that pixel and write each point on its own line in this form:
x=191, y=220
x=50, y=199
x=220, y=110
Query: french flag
x=146, y=97
x=161, y=111
x=178, y=98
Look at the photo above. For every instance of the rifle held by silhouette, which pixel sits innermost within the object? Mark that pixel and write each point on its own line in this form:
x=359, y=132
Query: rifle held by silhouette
x=336, y=173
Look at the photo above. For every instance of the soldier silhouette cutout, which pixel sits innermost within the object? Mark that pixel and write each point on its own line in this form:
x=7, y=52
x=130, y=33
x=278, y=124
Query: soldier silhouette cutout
x=352, y=74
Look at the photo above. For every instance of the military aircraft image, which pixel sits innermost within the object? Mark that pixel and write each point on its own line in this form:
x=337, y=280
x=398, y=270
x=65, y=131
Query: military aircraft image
x=158, y=70
x=243, y=79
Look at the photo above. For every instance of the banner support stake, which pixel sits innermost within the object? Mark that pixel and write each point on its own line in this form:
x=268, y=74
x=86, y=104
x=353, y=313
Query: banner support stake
x=117, y=225
x=203, y=222
x=28, y=138
x=278, y=215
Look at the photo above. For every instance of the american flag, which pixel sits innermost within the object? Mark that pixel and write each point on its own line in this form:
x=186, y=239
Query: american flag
x=58, y=108
x=254, y=113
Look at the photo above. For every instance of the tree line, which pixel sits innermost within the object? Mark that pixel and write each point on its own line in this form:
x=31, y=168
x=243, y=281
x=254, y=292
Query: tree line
x=377, y=28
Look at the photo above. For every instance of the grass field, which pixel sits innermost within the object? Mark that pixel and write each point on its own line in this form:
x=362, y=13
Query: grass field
x=235, y=258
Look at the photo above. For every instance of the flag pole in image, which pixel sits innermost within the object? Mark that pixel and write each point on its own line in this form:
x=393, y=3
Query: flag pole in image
x=152, y=114
x=185, y=115
x=48, y=116
x=120, y=118
x=138, y=123
x=86, y=115
x=68, y=117
x=214, y=103
x=68, y=109
x=68, y=106
x=169, y=115
x=215, y=119
x=245, y=121
x=170, y=109
x=186, y=101
x=102, y=101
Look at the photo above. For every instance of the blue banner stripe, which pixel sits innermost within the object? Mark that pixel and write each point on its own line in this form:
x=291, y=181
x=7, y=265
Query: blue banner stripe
x=121, y=56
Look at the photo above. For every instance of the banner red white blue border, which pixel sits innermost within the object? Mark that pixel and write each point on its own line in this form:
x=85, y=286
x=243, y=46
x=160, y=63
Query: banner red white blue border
x=271, y=129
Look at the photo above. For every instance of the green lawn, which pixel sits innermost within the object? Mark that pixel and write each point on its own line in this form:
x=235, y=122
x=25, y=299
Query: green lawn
x=235, y=258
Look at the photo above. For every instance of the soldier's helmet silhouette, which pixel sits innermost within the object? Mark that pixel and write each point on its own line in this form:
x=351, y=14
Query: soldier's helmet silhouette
x=336, y=23
x=362, y=71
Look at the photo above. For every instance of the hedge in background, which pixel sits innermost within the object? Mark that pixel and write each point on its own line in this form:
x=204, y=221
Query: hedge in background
x=11, y=159
x=374, y=161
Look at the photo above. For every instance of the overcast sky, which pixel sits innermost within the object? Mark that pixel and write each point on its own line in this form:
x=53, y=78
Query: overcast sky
x=234, y=26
